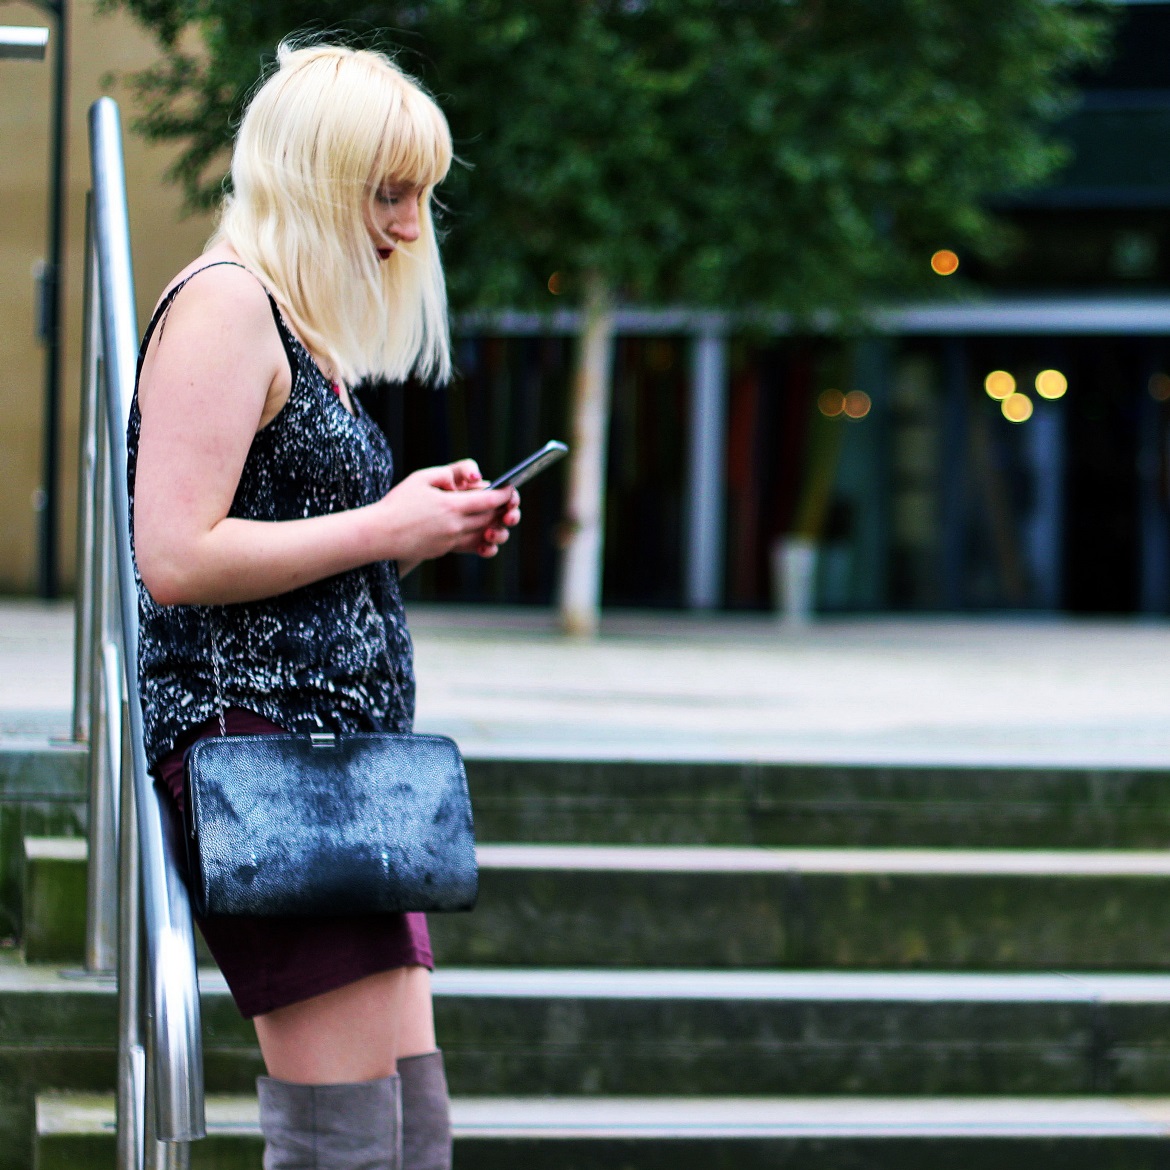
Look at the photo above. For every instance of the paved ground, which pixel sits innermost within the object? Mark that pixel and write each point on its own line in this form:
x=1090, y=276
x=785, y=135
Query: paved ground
x=503, y=682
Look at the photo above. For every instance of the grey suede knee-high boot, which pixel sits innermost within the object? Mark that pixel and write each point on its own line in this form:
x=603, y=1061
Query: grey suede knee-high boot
x=426, y=1113
x=331, y=1127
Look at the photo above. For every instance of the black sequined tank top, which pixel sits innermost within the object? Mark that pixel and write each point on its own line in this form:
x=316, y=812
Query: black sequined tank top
x=334, y=655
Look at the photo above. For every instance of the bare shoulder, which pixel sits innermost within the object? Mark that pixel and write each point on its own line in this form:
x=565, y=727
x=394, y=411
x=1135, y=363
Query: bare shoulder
x=221, y=319
x=216, y=286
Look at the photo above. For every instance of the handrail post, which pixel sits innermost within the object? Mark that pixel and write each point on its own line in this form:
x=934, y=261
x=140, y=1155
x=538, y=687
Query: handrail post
x=87, y=495
x=131, y=1054
x=103, y=703
x=152, y=891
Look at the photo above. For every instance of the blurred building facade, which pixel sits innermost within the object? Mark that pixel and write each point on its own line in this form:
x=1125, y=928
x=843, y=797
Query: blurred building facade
x=103, y=50
x=936, y=496
x=921, y=493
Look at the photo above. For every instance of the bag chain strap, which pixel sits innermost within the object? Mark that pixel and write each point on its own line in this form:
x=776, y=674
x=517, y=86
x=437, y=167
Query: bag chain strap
x=219, y=703
x=219, y=708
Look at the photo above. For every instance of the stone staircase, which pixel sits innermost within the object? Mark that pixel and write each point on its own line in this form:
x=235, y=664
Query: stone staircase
x=704, y=965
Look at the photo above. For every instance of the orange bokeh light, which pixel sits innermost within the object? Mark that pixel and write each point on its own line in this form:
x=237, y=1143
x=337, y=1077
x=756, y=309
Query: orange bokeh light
x=1016, y=408
x=857, y=404
x=1160, y=387
x=945, y=262
x=554, y=284
x=1051, y=384
x=999, y=385
x=831, y=403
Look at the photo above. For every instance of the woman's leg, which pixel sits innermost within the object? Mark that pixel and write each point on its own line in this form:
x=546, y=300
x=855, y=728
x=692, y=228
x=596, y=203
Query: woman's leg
x=426, y=1112
x=332, y=1097
x=353, y=1033
x=416, y=1030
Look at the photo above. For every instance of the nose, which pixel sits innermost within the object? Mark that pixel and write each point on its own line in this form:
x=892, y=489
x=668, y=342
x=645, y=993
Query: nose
x=405, y=227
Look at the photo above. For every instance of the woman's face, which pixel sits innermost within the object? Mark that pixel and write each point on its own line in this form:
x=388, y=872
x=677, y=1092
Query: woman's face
x=392, y=216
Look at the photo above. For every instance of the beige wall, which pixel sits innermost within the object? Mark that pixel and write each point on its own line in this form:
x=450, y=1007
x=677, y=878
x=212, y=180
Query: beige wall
x=163, y=242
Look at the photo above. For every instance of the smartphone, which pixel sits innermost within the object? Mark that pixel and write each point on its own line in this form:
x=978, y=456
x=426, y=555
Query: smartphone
x=527, y=468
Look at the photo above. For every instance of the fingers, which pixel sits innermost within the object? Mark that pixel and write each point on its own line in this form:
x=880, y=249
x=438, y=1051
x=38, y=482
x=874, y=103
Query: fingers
x=484, y=542
x=483, y=502
x=465, y=475
x=454, y=477
x=497, y=534
x=439, y=477
x=491, y=540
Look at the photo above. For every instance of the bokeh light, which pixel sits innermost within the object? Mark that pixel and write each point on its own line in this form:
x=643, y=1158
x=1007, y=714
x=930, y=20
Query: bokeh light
x=945, y=262
x=1051, y=384
x=999, y=385
x=1160, y=387
x=554, y=284
x=857, y=404
x=831, y=403
x=1016, y=408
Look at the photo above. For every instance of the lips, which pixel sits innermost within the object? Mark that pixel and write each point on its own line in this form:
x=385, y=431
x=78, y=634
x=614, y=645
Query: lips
x=384, y=253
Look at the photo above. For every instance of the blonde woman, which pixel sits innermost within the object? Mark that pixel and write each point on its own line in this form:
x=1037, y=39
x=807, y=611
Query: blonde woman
x=269, y=544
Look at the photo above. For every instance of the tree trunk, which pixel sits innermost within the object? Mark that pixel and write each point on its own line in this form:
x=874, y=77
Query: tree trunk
x=584, y=529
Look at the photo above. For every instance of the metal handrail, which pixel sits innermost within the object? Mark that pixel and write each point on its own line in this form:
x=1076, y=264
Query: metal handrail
x=160, y=1051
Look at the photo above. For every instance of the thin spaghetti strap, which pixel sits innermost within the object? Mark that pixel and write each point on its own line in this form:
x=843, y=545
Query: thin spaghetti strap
x=160, y=314
x=163, y=306
x=159, y=319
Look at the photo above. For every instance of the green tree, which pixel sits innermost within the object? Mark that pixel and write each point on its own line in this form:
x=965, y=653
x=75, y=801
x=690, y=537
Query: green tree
x=795, y=154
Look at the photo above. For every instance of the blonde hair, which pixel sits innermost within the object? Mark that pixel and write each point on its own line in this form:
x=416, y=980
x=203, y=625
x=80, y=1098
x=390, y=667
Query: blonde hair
x=319, y=138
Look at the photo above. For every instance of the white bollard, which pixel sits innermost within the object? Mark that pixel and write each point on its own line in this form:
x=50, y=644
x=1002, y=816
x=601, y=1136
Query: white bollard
x=794, y=579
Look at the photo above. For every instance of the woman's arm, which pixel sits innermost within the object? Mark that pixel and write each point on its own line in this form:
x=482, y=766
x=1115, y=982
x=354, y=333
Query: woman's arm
x=204, y=390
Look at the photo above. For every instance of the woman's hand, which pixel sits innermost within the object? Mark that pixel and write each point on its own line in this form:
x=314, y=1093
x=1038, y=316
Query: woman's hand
x=496, y=532
x=440, y=510
x=466, y=477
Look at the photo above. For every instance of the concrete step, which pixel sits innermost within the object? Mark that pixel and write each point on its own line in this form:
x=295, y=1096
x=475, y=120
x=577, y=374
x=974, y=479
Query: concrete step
x=716, y=803
x=58, y=1029
x=689, y=802
x=675, y=906
x=582, y=1032
x=77, y=1132
x=589, y=1032
x=40, y=769
x=54, y=902
x=42, y=793
x=710, y=907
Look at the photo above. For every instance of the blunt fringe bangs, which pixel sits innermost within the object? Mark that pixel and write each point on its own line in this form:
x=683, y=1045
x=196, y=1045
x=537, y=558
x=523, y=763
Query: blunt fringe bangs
x=319, y=137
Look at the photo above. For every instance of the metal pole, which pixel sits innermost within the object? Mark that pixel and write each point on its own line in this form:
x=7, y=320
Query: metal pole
x=705, y=481
x=97, y=642
x=105, y=756
x=170, y=937
x=52, y=282
x=131, y=1054
x=84, y=636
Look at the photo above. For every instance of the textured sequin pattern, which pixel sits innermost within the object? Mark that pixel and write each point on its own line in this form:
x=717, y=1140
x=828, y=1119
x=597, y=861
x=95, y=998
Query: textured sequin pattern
x=333, y=656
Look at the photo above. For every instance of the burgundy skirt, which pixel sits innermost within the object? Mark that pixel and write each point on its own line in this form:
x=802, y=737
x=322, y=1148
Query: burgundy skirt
x=270, y=963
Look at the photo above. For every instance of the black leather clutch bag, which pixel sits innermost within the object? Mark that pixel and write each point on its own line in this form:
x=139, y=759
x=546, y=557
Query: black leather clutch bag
x=323, y=824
